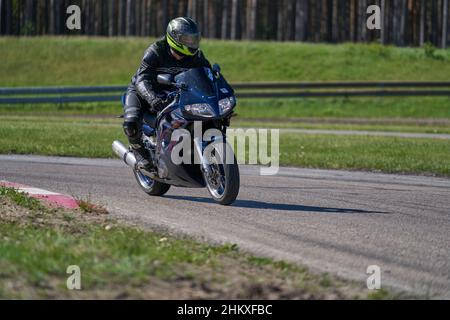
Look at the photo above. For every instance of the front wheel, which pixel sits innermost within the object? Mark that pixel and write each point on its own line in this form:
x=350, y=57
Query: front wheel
x=150, y=186
x=223, y=180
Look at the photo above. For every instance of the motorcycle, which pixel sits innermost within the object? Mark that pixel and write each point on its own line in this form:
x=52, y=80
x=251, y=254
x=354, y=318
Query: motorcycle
x=199, y=101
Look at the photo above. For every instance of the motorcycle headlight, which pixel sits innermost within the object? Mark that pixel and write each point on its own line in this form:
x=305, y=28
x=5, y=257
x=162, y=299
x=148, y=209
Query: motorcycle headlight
x=225, y=105
x=200, y=109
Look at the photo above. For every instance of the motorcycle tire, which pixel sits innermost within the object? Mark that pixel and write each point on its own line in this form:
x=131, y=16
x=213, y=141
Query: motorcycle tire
x=150, y=186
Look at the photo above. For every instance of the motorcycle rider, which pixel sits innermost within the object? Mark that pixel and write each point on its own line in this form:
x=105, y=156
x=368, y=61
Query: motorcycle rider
x=177, y=51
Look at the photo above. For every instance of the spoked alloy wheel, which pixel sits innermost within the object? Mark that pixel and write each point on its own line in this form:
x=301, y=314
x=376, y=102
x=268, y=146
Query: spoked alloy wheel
x=222, y=181
x=216, y=179
x=150, y=186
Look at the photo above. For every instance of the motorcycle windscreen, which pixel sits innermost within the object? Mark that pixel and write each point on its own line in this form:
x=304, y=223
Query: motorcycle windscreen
x=200, y=85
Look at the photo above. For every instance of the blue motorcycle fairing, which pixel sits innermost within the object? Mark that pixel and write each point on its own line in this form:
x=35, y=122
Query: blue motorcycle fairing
x=201, y=87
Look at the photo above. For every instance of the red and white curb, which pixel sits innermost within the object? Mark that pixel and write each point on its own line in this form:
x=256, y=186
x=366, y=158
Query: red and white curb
x=53, y=198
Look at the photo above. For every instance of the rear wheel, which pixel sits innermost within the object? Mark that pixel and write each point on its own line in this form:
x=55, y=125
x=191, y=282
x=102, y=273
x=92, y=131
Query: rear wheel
x=150, y=186
x=223, y=180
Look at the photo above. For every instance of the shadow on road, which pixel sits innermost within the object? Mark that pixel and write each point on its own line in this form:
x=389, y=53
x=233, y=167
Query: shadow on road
x=274, y=206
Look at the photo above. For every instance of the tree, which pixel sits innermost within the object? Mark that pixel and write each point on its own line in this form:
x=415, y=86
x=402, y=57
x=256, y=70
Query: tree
x=111, y=21
x=444, y=23
x=234, y=19
x=301, y=10
x=122, y=17
x=335, y=21
x=290, y=20
x=383, y=30
x=251, y=19
x=224, y=29
x=362, y=28
x=130, y=18
x=352, y=21
x=192, y=9
x=280, y=20
x=30, y=17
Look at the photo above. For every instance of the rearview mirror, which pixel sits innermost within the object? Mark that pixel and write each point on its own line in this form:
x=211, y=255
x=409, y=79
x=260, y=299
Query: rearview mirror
x=165, y=79
x=216, y=68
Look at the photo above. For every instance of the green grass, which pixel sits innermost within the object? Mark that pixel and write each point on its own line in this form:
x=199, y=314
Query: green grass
x=58, y=136
x=106, y=61
x=93, y=137
x=21, y=199
x=93, y=61
x=122, y=261
x=303, y=124
x=371, y=108
x=282, y=109
x=386, y=154
x=101, y=61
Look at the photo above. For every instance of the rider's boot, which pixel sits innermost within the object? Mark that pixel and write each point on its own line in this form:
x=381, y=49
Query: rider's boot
x=143, y=161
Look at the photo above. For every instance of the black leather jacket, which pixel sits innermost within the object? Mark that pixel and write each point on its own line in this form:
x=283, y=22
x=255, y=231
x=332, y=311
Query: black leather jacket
x=157, y=59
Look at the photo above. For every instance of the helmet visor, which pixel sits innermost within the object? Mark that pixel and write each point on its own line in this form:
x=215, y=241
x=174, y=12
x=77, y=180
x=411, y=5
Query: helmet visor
x=192, y=41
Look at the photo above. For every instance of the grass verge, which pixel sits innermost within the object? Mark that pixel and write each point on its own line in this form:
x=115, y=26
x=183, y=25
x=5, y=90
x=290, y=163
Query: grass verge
x=323, y=125
x=46, y=61
x=340, y=108
x=86, y=137
x=118, y=260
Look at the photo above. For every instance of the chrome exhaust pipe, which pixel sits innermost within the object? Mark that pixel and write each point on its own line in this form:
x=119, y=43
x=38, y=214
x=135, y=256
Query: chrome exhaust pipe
x=124, y=153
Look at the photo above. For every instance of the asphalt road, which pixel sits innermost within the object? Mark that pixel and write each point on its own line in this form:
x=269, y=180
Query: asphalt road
x=332, y=221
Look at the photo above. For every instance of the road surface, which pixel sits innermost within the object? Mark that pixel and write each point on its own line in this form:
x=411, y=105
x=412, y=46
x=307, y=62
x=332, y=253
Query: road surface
x=332, y=221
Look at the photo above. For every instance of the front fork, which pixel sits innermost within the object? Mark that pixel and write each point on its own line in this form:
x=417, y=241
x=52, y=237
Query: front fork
x=204, y=163
x=199, y=151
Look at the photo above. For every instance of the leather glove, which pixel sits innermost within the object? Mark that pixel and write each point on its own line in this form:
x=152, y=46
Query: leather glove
x=157, y=104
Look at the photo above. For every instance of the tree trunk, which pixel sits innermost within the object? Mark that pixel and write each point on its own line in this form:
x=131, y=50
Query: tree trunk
x=130, y=18
x=7, y=7
x=251, y=19
x=403, y=13
x=280, y=20
x=234, y=19
x=112, y=17
x=272, y=16
x=444, y=24
x=122, y=17
x=148, y=19
x=432, y=22
x=52, y=17
x=335, y=21
x=30, y=17
x=192, y=9
x=352, y=20
x=301, y=15
x=224, y=30
x=383, y=31
x=362, y=27
x=205, y=27
x=143, y=18
x=290, y=20
x=97, y=17
x=2, y=20
x=213, y=23
x=165, y=13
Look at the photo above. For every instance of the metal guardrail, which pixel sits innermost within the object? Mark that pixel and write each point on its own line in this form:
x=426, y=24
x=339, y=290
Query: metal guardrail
x=59, y=95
